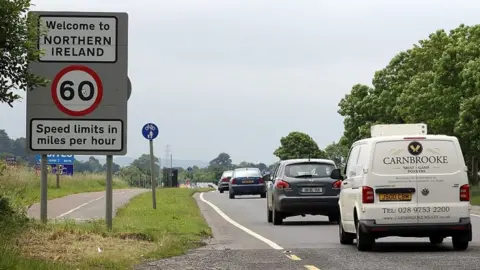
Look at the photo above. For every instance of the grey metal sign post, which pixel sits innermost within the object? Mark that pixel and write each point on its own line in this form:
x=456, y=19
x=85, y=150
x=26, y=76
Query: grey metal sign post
x=150, y=132
x=83, y=110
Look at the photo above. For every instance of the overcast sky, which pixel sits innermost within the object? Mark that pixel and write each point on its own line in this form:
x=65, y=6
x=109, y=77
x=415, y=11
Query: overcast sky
x=236, y=75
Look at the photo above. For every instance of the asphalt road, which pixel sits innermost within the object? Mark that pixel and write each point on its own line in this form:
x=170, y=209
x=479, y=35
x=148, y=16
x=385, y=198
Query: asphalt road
x=309, y=242
x=84, y=206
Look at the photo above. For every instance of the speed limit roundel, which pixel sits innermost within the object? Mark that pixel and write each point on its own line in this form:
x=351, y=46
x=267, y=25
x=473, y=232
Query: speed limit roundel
x=77, y=90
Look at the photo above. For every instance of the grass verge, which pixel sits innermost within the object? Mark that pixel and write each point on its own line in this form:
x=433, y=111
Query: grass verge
x=22, y=185
x=475, y=195
x=140, y=234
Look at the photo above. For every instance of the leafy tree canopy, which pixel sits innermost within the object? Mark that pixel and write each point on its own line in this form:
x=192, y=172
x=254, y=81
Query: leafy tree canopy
x=298, y=145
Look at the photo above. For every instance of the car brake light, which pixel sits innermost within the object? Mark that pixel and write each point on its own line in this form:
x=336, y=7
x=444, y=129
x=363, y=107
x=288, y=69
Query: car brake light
x=465, y=193
x=337, y=184
x=414, y=138
x=233, y=180
x=368, y=196
x=281, y=184
x=224, y=179
x=260, y=181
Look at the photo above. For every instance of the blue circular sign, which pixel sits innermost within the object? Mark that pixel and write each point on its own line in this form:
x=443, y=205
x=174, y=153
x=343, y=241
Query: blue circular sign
x=150, y=131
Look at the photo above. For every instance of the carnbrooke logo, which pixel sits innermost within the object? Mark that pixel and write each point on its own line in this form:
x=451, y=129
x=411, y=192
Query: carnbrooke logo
x=415, y=160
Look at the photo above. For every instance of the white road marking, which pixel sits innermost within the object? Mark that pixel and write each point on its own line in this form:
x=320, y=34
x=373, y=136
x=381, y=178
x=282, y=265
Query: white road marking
x=78, y=207
x=87, y=203
x=474, y=215
x=241, y=227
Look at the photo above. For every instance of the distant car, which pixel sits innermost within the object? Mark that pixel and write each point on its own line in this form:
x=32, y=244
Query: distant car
x=247, y=181
x=303, y=187
x=224, y=180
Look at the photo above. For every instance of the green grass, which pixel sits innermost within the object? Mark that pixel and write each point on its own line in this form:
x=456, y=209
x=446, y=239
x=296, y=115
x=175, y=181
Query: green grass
x=22, y=185
x=475, y=195
x=140, y=234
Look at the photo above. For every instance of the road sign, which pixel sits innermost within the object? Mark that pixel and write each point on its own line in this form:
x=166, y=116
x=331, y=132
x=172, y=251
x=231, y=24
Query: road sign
x=77, y=90
x=189, y=169
x=58, y=159
x=150, y=131
x=83, y=110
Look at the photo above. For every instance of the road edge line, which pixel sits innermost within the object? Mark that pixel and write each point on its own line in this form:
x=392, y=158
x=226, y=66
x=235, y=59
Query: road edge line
x=80, y=206
x=239, y=226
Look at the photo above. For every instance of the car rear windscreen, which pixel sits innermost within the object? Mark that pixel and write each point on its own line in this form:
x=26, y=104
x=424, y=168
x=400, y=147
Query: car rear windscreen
x=416, y=157
x=248, y=173
x=309, y=168
x=227, y=174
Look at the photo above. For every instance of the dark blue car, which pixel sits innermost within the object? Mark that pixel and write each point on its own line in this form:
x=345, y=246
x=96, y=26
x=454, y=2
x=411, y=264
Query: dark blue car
x=247, y=181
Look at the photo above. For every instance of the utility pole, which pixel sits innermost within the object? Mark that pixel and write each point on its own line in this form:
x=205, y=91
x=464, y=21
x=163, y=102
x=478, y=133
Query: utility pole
x=168, y=155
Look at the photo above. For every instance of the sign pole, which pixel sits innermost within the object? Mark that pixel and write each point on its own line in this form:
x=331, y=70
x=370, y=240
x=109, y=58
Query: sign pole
x=108, y=192
x=152, y=172
x=150, y=132
x=43, y=188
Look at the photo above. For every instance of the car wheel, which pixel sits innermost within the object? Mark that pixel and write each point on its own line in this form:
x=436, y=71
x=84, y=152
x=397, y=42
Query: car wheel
x=334, y=218
x=435, y=240
x=277, y=218
x=263, y=195
x=460, y=242
x=345, y=238
x=231, y=195
x=221, y=190
x=269, y=215
x=365, y=241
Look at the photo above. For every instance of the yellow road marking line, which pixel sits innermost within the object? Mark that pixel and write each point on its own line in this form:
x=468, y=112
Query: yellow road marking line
x=293, y=257
x=311, y=267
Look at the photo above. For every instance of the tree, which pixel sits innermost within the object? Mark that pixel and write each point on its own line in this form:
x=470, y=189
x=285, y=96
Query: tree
x=223, y=160
x=298, y=145
x=143, y=164
x=18, y=46
x=338, y=153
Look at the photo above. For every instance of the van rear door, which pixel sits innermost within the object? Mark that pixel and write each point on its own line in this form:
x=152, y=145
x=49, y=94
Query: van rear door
x=440, y=174
x=393, y=179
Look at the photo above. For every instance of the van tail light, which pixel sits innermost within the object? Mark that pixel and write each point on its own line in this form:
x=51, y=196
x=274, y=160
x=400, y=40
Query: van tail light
x=337, y=184
x=225, y=179
x=260, y=180
x=233, y=180
x=368, y=195
x=281, y=184
x=465, y=193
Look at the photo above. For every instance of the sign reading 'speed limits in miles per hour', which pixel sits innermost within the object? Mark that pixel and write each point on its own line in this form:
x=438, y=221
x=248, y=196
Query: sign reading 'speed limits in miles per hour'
x=83, y=111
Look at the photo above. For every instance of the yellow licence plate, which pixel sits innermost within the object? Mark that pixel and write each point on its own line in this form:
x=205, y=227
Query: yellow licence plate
x=247, y=182
x=395, y=197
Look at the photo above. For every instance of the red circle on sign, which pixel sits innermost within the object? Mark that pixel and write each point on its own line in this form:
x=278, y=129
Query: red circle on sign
x=90, y=72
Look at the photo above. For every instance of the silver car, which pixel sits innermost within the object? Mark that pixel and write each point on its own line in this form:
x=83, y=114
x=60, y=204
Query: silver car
x=303, y=187
x=224, y=181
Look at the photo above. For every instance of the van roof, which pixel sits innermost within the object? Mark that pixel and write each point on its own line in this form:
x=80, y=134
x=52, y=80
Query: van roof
x=401, y=137
x=300, y=160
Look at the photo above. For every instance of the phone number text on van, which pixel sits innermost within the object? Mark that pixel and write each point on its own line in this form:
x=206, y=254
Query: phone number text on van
x=406, y=210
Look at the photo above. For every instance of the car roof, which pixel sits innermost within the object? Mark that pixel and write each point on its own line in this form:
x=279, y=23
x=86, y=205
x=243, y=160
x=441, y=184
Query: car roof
x=249, y=168
x=302, y=160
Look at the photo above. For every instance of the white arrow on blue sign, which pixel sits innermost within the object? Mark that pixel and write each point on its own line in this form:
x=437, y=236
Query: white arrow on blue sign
x=150, y=131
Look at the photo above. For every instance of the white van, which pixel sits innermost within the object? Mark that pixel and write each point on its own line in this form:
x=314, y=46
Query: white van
x=412, y=185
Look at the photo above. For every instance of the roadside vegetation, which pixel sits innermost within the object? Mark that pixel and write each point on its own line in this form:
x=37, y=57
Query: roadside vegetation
x=139, y=232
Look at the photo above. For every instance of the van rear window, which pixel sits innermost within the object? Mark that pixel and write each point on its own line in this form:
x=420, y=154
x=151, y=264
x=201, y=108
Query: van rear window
x=405, y=157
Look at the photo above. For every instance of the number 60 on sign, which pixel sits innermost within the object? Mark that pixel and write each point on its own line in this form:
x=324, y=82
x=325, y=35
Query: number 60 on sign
x=77, y=90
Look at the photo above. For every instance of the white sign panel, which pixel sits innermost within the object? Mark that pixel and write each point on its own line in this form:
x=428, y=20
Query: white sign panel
x=78, y=39
x=76, y=135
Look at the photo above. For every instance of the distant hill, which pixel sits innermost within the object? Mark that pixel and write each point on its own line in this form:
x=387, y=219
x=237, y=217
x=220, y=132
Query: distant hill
x=125, y=161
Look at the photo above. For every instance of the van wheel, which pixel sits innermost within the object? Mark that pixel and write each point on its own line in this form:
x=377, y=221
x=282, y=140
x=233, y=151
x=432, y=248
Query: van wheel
x=231, y=195
x=263, y=195
x=276, y=216
x=365, y=241
x=345, y=238
x=459, y=242
x=436, y=240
